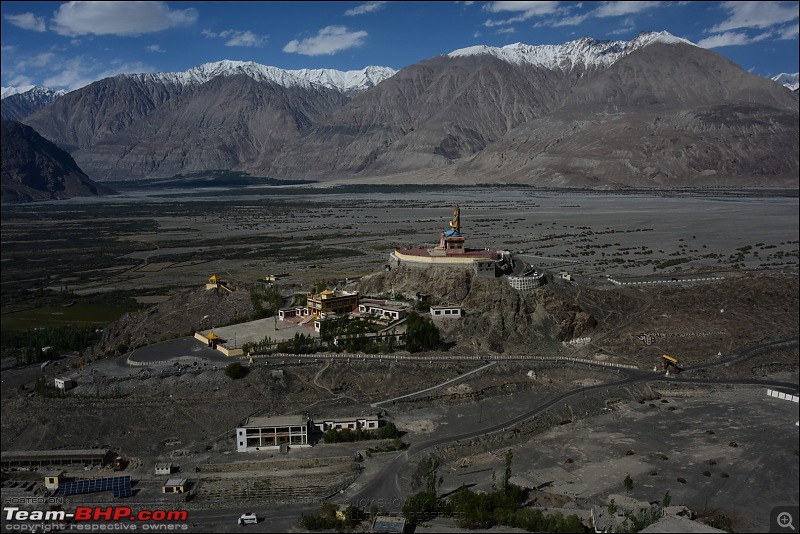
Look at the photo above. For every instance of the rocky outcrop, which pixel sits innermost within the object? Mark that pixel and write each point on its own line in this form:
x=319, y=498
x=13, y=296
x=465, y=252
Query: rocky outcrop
x=33, y=168
x=497, y=317
x=184, y=313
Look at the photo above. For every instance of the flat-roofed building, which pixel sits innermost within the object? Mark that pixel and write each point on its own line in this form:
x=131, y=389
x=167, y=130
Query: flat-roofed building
x=328, y=301
x=327, y=316
x=174, y=485
x=52, y=479
x=381, y=309
x=84, y=457
x=163, y=469
x=368, y=422
x=267, y=433
x=383, y=523
x=446, y=311
x=292, y=311
x=64, y=384
x=484, y=268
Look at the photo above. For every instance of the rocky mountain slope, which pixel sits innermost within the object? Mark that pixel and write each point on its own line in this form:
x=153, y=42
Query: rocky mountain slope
x=19, y=102
x=497, y=318
x=481, y=114
x=183, y=314
x=213, y=117
x=33, y=168
x=642, y=123
x=506, y=121
x=176, y=130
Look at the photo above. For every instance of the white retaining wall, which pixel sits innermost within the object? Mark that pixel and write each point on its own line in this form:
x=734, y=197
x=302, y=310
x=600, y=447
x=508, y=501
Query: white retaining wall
x=406, y=357
x=782, y=396
x=525, y=283
x=651, y=282
x=580, y=341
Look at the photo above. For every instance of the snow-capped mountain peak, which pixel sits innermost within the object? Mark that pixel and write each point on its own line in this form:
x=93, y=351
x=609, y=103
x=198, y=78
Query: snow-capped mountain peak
x=8, y=91
x=19, y=102
x=33, y=92
x=790, y=81
x=587, y=52
x=345, y=81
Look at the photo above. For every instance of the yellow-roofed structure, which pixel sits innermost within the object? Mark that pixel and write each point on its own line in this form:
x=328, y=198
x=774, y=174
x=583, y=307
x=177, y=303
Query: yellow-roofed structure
x=327, y=301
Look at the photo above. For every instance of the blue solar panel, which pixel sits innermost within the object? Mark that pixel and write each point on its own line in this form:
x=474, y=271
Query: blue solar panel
x=120, y=486
x=122, y=495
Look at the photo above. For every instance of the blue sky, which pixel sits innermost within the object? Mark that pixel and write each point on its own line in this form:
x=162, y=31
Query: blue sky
x=68, y=45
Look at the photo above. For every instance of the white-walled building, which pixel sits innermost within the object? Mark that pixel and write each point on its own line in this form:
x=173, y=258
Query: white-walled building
x=269, y=433
x=453, y=312
x=381, y=309
x=64, y=384
x=370, y=422
x=163, y=469
x=292, y=311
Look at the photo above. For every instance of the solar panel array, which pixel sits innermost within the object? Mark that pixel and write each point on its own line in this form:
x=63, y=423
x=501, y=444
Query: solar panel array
x=120, y=486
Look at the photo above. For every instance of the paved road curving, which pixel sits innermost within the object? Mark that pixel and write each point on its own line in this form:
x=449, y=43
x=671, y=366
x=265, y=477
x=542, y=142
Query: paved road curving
x=386, y=487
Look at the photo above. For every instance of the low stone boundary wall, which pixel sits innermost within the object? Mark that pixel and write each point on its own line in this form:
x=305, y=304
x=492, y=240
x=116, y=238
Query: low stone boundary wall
x=783, y=396
x=433, y=261
x=649, y=338
x=394, y=357
x=422, y=359
x=579, y=341
x=671, y=281
x=259, y=465
x=230, y=352
x=682, y=392
x=223, y=349
x=182, y=359
x=525, y=283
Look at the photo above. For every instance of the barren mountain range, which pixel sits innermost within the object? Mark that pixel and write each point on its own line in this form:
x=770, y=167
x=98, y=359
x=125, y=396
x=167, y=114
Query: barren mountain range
x=653, y=111
x=19, y=102
x=33, y=169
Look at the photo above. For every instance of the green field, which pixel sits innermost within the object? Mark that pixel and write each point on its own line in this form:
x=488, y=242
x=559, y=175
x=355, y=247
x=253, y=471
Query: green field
x=78, y=315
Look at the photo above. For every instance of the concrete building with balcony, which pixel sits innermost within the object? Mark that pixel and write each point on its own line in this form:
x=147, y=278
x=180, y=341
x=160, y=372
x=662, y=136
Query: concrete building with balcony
x=272, y=433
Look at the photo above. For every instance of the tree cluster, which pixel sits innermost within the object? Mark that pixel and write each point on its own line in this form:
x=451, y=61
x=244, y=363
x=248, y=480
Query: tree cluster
x=425, y=505
x=236, y=370
x=299, y=344
x=388, y=431
x=327, y=518
x=28, y=344
x=503, y=506
x=265, y=301
x=351, y=332
x=421, y=334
